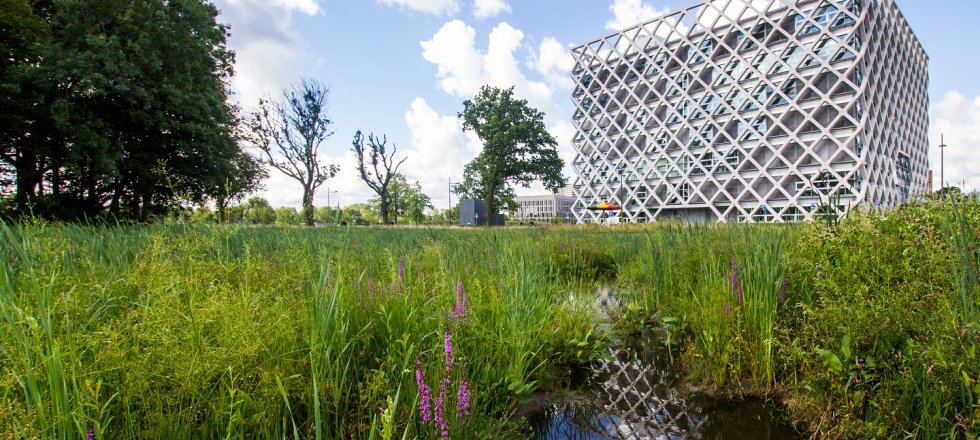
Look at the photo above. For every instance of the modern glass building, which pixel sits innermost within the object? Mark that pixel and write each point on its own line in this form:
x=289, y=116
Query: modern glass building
x=752, y=110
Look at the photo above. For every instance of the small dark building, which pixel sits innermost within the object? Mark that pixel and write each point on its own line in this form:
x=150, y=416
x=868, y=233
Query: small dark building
x=474, y=213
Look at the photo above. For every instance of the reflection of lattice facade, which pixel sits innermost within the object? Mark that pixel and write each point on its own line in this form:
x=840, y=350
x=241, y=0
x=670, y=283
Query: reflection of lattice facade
x=752, y=110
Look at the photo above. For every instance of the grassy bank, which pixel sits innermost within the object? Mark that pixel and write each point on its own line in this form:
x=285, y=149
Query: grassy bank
x=176, y=331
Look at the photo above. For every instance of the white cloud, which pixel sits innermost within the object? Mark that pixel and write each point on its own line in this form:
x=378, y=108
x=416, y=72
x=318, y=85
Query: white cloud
x=956, y=117
x=489, y=8
x=462, y=68
x=438, y=150
x=269, y=53
x=434, y=7
x=628, y=13
x=554, y=62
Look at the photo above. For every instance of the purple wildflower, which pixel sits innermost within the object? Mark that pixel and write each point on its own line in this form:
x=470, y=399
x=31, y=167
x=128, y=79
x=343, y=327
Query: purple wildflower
x=401, y=267
x=728, y=308
x=463, y=400
x=425, y=395
x=462, y=302
x=782, y=290
x=91, y=434
x=449, y=353
x=741, y=295
x=440, y=417
x=370, y=285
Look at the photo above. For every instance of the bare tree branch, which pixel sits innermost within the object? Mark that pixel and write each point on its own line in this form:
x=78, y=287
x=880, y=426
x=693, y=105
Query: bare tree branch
x=288, y=131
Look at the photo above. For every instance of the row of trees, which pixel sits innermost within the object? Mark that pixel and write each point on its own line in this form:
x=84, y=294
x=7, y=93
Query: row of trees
x=120, y=108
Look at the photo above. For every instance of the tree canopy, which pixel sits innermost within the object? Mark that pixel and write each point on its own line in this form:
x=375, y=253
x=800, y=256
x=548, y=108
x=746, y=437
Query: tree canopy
x=406, y=200
x=117, y=105
x=517, y=148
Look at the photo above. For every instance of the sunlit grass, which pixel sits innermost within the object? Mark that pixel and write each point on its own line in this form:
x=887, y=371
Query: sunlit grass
x=179, y=331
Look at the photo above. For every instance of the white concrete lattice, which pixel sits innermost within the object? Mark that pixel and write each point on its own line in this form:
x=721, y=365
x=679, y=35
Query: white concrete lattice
x=752, y=110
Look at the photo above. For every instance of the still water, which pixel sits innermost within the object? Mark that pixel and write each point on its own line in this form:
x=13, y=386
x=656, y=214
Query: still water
x=636, y=395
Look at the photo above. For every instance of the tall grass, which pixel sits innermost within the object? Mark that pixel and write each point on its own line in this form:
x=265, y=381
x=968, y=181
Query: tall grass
x=177, y=331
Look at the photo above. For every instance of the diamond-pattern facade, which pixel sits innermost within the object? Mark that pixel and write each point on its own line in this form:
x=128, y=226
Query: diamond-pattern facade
x=752, y=110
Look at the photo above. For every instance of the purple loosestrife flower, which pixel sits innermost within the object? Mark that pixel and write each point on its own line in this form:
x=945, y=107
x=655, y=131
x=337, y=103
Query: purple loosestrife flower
x=461, y=301
x=728, y=308
x=448, y=345
x=741, y=295
x=425, y=394
x=401, y=267
x=463, y=400
x=370, y=286
x=440, y=416
x=782, y=290
x=91, y=434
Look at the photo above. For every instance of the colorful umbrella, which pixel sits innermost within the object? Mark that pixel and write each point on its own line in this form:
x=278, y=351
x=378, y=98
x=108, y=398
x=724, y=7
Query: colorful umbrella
x=604, y=206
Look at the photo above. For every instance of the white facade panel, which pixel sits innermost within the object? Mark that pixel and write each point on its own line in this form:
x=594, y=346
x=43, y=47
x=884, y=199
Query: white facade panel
x=761, y=110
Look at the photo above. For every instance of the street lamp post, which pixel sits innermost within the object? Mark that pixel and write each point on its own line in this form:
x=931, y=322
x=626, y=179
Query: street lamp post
x=942, y=161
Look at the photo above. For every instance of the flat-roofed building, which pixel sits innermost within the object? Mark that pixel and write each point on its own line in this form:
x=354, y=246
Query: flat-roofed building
x=544, y=207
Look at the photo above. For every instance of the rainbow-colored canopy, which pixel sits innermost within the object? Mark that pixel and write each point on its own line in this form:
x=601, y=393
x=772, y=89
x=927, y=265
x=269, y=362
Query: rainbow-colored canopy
x=605, y=206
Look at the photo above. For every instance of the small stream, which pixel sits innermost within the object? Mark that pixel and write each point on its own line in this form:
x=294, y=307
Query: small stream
x=636, y=394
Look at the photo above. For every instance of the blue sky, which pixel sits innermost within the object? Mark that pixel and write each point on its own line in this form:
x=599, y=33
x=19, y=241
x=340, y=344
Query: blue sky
x=403, y=67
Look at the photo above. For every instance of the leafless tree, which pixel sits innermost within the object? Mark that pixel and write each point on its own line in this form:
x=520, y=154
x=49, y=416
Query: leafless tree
x=377, y=168
x=288, y=130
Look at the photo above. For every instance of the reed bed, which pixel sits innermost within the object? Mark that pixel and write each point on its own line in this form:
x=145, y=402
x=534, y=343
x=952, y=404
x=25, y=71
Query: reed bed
x=867, y=328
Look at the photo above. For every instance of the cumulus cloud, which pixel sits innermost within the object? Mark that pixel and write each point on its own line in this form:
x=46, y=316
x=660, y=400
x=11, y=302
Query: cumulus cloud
x=489, y=8
x=269, y=54
x=434, y=7
x=438, y=150
x=463, y=67
x=627, y=13
x=956, y=117
x=554, y=62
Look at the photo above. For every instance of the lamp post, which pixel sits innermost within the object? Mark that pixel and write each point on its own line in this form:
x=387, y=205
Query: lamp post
x=942, y=161
x=449, y=213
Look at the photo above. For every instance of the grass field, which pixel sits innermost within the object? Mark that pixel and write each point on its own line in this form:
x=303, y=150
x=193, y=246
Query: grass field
x=864, y=329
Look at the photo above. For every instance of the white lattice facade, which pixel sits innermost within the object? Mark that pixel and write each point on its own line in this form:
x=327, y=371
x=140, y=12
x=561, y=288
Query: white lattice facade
x=752, y=110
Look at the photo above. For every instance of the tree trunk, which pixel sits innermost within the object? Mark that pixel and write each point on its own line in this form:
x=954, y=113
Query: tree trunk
x=145, y=209
x=26, y=183
x=384, y=208
x=28, y=176
x=114, y=207
x=491, y=204
x=308, y=206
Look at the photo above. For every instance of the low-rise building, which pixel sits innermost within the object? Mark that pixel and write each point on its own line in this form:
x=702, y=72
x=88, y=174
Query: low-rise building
x=545, y=207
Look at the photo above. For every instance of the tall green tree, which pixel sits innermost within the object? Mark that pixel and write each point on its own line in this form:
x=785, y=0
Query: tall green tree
x=288, y=130
x=112, y=107
x=406, y=200
x=243, y=176
x=377, y=167
x=517, y=148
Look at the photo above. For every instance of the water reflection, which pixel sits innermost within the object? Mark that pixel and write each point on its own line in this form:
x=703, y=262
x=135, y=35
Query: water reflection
x=636, y=395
